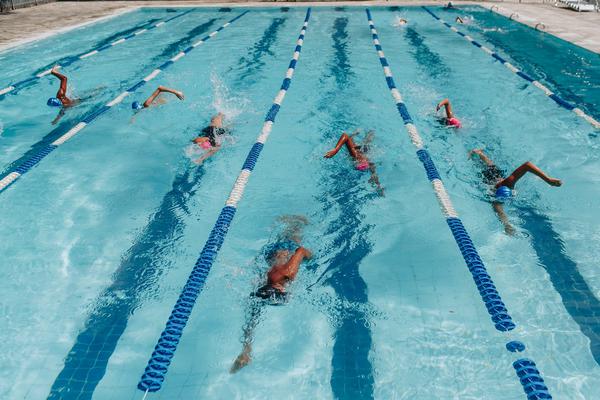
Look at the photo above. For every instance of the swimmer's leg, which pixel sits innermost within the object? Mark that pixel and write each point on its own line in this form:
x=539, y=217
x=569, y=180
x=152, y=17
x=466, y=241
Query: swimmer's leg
x=253, y=313
x=525, y=168
x=293, y=227
x=499, y=210
x=485, y=159
x=374, y=179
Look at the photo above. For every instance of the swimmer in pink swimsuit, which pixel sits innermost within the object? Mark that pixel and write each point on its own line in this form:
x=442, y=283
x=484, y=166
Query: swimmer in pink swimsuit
x=451, y=120
x=209, y=139
x=361, y=161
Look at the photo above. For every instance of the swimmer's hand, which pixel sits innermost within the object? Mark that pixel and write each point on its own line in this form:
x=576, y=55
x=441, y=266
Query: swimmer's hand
x=554, y=182
x=240, y=362
x=474, y=151
x=180, y=95
x=330, y=154
x=306, y=252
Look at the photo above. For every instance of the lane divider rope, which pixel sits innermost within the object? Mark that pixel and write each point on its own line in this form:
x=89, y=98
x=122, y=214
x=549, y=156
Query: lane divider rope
x=156, y=369
x=89, y=53
x=487, y=290
x=558, y=100
x=32, y=161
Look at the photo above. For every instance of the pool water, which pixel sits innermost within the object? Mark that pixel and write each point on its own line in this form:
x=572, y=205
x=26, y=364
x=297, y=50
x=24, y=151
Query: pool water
x=100, y=236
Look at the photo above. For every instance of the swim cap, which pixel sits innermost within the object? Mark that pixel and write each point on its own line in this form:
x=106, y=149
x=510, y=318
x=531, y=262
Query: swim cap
x=503, y=193
x=54, y=102
x=454, y=122
x=363, y=165
x=136, y=105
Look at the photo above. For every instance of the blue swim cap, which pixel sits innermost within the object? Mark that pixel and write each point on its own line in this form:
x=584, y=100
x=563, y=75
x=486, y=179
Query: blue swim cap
x=503, y=193
x=136, y=105
x=54, y=102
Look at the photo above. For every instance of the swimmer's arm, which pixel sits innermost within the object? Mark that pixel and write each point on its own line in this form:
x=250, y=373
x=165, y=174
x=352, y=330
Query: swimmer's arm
x=206, y=155
x=60, y=114
x=291, y=268
x=446, y=104
x=160, y=90
x=499, y=210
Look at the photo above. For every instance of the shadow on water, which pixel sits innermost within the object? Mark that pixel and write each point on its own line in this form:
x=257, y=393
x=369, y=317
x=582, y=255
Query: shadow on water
x=352, y=372
x=254, y=61
x=577, y=297
x=140, y=269
x=429, y=61
x=136, y=277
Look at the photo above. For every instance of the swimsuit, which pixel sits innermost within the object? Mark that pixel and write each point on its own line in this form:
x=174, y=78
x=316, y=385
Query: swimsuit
x=211, y=132
x=492, y=174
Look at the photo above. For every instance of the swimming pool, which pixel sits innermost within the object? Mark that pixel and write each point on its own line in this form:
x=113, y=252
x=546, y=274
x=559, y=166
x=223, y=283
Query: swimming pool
x=101, y=234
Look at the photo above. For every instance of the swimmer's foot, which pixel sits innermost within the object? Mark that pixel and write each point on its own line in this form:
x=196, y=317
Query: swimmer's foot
x=554, y=182
x=240, y=362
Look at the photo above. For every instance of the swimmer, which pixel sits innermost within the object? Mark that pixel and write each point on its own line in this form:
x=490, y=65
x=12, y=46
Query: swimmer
x=401, y=21
x=449, y=5
x=61, y=99
x=450, y=119
x=503, y=187
x=459, y=20
x=358, y=153
x=209, y=139
x=150, y=101
x=283, y=257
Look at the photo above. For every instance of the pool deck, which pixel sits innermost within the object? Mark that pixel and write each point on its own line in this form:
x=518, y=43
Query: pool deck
x=28, y=24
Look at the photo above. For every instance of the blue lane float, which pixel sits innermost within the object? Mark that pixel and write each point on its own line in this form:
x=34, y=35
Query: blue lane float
x=12, y=175
x=558, y=100
x=533, y=384
x=157, y=367
x=487, y=290
x=14, y=87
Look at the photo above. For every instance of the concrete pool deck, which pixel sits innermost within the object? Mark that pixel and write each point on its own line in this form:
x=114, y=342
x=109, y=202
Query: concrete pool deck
x=28, y=24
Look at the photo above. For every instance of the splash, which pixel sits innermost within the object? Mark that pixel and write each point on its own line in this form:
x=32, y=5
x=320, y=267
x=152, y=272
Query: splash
x=400, y=21
x=224, y=101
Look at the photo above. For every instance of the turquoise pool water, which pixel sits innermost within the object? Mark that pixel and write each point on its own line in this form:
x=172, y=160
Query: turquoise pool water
x=100, y=236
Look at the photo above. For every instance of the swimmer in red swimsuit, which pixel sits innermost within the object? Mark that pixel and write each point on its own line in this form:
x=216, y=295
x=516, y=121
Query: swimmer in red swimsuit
x=358, y=153
x=284, y=257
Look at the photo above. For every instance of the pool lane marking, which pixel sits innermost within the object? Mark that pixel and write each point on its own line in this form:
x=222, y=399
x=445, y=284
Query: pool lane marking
x=157, y=367
x=530, y=378
x=87, y=54
x=32, y=161
x=558, y=100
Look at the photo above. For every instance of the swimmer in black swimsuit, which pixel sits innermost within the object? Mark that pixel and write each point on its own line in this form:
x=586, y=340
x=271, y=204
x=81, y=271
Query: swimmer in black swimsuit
x=503, y=187
x=210, y=138
x=284, y=258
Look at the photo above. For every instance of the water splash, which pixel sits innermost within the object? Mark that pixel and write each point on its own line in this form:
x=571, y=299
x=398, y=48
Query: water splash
x=224, y=101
